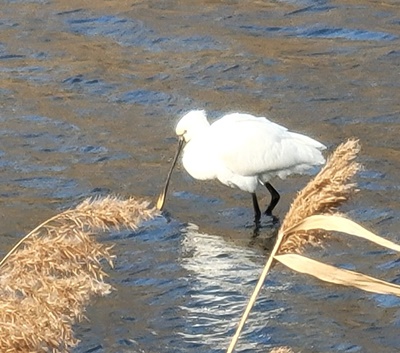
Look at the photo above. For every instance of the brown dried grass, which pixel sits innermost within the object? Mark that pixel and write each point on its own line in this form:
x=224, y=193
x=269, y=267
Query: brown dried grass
x=50, y=276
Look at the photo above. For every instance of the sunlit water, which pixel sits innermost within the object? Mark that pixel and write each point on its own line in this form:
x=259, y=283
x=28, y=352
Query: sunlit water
x=89, y=95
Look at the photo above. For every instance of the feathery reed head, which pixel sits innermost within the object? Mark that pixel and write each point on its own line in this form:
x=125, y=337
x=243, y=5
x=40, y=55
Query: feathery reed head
x=111, y=211
x=45, y=285
x=322, y=195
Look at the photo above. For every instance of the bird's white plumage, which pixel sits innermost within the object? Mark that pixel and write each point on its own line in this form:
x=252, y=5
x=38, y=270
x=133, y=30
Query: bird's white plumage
x=242, y=150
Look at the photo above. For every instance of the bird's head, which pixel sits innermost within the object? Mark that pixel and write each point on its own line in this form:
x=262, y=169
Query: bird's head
x=191, y=124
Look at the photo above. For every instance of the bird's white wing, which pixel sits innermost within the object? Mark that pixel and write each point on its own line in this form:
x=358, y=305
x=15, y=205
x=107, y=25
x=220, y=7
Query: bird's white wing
x=248, y=145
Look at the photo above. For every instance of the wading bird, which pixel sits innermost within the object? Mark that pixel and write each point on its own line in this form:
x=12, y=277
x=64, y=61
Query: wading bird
x=242, y=151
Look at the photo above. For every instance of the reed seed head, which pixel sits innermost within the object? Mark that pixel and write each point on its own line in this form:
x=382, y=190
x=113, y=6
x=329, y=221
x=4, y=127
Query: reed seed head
x=330, y=188
x=47, y=280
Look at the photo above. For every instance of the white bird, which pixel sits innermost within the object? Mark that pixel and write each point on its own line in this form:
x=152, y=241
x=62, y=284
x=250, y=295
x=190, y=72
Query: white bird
x=242, y=151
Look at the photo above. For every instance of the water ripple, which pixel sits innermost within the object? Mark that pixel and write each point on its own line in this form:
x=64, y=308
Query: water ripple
x=124, y=31
x=90, y=85
x=320, y=31
x=222, y=277
x=133, y=32
x=143, y=96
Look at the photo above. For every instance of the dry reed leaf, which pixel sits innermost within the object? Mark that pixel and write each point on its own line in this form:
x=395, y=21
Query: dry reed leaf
x=49, y=277
x=336, y=275
x=343, y=225
x=330, y=273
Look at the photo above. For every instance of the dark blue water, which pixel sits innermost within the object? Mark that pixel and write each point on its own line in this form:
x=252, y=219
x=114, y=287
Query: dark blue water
x=90, y=94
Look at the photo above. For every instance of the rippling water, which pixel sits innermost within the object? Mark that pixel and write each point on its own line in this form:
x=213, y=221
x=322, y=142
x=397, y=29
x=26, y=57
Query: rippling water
x=89, y=95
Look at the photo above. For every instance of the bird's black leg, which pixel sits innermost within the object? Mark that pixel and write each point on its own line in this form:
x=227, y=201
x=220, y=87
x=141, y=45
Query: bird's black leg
x=257, y=212
x=274, y=199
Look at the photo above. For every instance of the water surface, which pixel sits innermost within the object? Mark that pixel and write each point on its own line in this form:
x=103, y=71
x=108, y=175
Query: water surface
x=89, y=95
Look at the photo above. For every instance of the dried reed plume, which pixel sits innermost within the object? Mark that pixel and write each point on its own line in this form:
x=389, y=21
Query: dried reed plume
x=49, y=277
x=323, y=195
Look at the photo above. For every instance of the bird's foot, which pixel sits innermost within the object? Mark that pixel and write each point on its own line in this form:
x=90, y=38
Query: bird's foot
x=272, y=222
x=274, y=219
x=264, y=236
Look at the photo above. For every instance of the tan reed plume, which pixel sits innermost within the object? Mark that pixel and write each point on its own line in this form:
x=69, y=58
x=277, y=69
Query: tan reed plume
x=330, y=188
x=48, y=278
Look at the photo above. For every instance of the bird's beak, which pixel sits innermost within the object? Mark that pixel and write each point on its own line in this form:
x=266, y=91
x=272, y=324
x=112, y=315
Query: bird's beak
x=161, y=198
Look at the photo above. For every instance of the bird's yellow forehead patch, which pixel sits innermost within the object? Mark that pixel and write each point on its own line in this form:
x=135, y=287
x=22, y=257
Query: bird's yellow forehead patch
x=180, y=131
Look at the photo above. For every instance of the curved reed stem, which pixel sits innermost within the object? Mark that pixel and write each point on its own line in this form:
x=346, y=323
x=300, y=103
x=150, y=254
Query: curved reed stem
x=16, y=246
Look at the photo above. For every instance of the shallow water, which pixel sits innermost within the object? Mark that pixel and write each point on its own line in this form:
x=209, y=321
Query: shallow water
x=90, y=93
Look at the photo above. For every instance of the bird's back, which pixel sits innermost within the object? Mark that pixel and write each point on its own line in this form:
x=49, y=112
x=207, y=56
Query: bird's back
x=249, y=145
